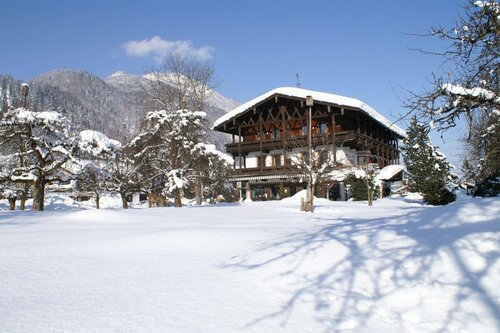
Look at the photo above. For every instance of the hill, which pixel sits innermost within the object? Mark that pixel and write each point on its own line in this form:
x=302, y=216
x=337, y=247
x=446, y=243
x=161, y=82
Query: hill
x=114, y=105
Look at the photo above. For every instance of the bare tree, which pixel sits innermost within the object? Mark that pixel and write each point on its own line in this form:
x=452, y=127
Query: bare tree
x=180, y=82
x=469, y=86
x=314, y=168
x=179, y=89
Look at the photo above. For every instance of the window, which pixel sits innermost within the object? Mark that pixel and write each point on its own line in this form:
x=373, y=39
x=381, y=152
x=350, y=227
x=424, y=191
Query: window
x=323, y=157
x=305, y=158
x=304, y=130
x=258, y=193
x=276, y=133
x=323, y=128
x=239, y=162
x=276, y=160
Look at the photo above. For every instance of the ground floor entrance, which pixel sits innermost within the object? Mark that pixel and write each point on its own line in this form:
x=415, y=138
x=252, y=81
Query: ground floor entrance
x=266, y=190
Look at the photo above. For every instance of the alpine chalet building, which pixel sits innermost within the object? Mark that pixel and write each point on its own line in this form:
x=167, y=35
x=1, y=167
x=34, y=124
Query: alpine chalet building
x=271, y=129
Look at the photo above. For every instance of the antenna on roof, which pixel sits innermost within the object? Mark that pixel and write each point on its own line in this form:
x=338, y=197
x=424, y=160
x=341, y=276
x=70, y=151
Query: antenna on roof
x=297, y=80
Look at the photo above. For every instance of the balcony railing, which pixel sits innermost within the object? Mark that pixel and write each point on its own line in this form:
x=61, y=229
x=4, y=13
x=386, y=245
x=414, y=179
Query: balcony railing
x=266, y=171
x=290, y=142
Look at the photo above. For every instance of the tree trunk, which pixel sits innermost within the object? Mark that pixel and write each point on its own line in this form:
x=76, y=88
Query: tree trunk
x=97, y=198
x=370, y=196
x=199, y=191
x=307, y=205
x=177, y=198
x=24, y=196
x=12, y=203
x=163, y=201
x=39, y=194
x=124, y=200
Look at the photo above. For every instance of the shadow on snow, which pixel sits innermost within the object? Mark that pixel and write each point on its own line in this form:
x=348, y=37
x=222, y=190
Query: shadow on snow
x=378, y=258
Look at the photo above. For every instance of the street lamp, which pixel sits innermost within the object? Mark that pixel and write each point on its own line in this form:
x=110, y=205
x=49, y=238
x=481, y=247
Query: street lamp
x=309, y=104
x=308, y=205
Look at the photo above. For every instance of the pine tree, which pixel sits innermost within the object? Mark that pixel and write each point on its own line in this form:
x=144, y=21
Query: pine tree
x=168, y=143
x=170, y=136
x=428, y=171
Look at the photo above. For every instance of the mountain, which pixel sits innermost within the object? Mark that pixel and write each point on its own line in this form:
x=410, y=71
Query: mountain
x=114, y=105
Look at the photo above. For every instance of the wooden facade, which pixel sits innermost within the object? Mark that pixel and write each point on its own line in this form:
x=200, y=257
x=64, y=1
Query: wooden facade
x=266, y=133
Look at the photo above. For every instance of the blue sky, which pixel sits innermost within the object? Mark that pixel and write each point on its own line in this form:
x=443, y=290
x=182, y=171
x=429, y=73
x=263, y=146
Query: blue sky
x=361, y=49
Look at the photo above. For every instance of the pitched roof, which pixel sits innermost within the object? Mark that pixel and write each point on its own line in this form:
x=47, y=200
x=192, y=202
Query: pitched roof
x=318, y=97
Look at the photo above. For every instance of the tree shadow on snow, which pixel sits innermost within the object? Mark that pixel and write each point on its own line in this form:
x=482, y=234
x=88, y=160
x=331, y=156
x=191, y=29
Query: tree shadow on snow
x=377, y=263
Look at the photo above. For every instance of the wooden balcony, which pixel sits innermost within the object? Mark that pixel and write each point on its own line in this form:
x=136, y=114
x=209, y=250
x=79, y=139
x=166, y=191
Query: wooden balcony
x=290, y=142
x=285, y=171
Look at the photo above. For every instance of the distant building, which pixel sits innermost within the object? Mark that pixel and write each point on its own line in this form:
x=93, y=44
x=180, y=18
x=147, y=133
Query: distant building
x=269, y=129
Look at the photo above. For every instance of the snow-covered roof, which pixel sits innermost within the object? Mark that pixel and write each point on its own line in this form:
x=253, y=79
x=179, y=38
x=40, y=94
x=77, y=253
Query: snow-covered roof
x=387, y=172
x=317, y=96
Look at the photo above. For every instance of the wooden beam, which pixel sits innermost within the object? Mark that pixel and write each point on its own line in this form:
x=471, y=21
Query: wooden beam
x=333, y=139
x=283, y=133
x=239, y=145
x=260, y=144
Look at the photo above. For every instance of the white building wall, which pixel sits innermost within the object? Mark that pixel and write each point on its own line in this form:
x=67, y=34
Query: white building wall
x=252, y=162
x=269, y=161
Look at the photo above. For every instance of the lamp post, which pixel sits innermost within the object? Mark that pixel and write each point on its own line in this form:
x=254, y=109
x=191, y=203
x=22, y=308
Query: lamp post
x=308, y=207
x=309, y=104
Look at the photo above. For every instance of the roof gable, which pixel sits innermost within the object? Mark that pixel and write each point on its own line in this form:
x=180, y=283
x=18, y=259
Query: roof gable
x=341, y=101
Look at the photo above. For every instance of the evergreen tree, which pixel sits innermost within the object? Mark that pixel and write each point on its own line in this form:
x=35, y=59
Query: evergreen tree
x=169, y=137
x=363, y=185
x=169, y=143
x=210, y=172
x=428, y=171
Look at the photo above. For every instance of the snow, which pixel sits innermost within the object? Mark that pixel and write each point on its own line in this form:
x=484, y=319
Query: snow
x=474, y=92
x=299, y=196
x=212, y=149
x=359, y=173
x=317, y=96
x=398, y=266
x=96, y=143
x=176, y=181
x=389, y=171
x=493, y=4
x=45, y=116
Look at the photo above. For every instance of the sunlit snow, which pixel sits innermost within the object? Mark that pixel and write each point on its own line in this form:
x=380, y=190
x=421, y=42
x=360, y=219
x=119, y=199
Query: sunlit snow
x=398, y=266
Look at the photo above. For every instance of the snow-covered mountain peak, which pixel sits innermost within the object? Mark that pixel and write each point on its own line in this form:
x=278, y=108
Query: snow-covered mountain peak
x=117, y=73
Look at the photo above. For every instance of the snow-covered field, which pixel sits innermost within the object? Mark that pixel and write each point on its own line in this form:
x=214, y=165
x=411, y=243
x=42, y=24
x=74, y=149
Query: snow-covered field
x=398, y=266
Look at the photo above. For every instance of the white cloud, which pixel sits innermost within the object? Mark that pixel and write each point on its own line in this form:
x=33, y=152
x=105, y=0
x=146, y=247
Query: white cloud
x=159, y=48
